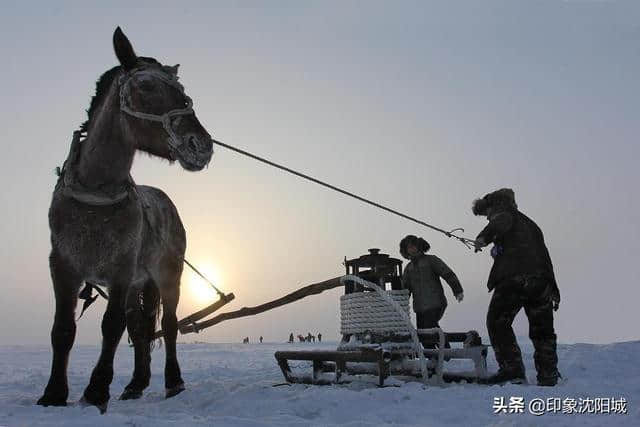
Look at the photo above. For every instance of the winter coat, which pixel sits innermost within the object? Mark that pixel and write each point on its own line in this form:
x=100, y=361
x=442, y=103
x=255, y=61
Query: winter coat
x=520, y=249
x=422, y=278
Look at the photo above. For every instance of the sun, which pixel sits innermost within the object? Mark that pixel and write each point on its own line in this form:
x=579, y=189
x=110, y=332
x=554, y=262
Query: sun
x=200, y=290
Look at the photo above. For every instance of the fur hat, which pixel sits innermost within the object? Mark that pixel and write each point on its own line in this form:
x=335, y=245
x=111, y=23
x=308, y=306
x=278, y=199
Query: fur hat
x=504, y=198
x=422, y=245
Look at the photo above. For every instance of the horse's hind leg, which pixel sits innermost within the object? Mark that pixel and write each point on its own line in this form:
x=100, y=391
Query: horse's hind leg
x=172, y=378
x=138, y=319
x=113, y=324
x=65, y=285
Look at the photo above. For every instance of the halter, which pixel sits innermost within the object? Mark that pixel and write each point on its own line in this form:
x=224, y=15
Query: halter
x=166, y=118
x=74, y=189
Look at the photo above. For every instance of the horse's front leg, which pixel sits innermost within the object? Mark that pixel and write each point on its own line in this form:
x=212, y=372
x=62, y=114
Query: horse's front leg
x=66, y=284
x=172, y=378
x=113, y=324
x=137, y=326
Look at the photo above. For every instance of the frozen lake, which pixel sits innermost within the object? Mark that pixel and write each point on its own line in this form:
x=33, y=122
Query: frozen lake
x=238, y=385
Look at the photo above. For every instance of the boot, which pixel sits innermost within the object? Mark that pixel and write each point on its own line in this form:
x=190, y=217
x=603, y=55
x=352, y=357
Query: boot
x=506, y=376
x=549, y=381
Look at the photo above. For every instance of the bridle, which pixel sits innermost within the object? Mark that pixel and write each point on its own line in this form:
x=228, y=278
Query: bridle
x=74, y=189
x=166, y=118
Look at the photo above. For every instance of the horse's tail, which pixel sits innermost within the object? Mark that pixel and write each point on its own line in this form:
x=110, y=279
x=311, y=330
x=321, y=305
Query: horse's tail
x=152, y=309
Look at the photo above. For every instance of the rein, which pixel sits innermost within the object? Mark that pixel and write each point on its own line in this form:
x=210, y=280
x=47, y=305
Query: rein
x=469, y=243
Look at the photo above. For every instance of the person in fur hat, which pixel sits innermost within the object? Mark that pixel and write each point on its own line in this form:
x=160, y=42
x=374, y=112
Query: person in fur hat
x=422, y=278
x=521, y=276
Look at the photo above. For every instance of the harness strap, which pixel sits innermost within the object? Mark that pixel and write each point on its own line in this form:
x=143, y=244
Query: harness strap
x=87, y=295
x=93, y=197
x=73, y=189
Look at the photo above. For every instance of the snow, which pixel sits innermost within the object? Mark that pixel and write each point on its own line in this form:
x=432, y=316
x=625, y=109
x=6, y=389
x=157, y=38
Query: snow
x=241, y=385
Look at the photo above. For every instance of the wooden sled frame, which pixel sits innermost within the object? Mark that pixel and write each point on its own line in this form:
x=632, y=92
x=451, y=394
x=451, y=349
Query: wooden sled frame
x=340, y=358
x=378, y=361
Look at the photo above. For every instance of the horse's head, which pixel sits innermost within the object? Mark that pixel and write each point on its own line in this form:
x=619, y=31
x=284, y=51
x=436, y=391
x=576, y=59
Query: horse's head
x=156, y=111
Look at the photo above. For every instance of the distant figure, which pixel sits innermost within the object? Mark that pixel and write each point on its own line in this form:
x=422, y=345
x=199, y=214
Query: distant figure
x=245, y=340
x=521, y=276
x=422, y=278
x=300, y=338
x=260, y=339
x=309, y=336
x=319, y=337
x=291, y=337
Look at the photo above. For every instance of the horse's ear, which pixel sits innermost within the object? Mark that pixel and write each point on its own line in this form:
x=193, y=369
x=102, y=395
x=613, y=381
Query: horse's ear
x=124, y=50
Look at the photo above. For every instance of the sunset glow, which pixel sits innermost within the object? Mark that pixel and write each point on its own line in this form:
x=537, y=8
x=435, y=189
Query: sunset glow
x=198, y=289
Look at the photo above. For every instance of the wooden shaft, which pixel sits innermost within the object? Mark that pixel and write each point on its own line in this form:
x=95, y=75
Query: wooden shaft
x=306, y=291
x=191, y=319
x=205, y=311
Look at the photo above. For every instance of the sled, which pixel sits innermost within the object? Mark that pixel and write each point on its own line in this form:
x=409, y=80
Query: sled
x=378, y=338
x=388, y=359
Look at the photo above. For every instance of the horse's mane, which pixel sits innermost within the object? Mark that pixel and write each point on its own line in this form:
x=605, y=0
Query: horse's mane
x=102, y=88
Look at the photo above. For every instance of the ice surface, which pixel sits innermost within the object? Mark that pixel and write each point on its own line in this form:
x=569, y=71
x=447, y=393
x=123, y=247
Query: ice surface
x=233, y=385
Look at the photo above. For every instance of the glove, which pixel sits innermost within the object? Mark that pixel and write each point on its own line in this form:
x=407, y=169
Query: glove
x=496, y=250
x=479, y=244
x=460, y=296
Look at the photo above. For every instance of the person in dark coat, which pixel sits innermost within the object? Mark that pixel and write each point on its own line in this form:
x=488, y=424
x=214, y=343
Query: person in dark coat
x=521, y=276
x=422, y=278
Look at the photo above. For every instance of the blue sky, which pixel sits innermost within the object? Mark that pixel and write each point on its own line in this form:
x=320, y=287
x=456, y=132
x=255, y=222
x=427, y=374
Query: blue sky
x=423, y=106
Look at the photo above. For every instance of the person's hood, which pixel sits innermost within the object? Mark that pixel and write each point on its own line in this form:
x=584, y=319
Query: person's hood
x=501, y=199
x=422, y=245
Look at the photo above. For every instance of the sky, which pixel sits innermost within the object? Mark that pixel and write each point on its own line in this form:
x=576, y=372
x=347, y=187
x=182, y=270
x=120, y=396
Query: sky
x=422, y=106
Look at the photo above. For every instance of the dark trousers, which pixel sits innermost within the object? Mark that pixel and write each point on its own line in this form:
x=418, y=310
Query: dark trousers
x=429, y=319
x=509, y=296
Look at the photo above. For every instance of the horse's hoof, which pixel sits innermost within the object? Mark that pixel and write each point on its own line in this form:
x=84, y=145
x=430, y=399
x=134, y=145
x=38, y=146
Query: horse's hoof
x=170, y=392
x=102, y=406
x=129, y=394
x=48, y=400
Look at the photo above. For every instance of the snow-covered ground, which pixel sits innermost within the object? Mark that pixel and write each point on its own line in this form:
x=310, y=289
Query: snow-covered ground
x=238, y=385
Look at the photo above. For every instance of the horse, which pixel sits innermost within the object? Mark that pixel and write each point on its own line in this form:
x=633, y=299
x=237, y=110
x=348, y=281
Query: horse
x=129, y=238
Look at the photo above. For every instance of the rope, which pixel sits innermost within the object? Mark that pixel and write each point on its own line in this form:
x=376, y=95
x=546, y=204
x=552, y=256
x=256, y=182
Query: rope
x=402, y=314
x=469, y=243
x=368, y=311
x=220, y=293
